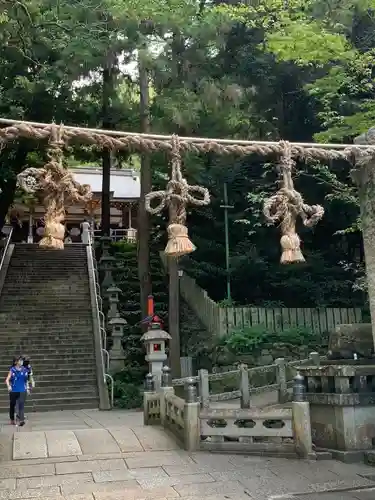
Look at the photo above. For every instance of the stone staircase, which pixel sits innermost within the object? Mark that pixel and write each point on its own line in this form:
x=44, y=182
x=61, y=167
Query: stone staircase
x=45, y=313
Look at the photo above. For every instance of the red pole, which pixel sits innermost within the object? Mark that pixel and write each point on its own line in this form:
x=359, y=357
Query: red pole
x=150, y=306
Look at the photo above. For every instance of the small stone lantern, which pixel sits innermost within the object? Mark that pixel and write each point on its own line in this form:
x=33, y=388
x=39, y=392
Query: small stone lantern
x=106, y=264
x=117, y=356
x=113, y=298
x=154, y=340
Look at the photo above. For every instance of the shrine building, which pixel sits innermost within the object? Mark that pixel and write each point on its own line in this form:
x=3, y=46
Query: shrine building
x=125, y=193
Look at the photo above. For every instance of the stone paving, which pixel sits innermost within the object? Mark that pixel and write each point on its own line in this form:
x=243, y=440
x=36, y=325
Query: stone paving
x=92, y=455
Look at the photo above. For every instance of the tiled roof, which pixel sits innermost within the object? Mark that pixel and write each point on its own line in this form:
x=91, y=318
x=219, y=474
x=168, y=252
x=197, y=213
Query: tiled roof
x=125, y=183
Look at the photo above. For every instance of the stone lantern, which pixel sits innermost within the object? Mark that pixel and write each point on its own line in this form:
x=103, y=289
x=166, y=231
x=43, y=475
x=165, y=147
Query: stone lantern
x=117, y=356
x=113, y=298
x=154, y=340
x=106, y=264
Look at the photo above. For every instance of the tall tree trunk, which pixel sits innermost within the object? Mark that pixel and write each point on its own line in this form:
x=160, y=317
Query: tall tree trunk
x=108, y=90
x=146, y=186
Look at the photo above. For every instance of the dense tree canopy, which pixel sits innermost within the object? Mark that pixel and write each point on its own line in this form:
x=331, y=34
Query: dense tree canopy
x=299, y=70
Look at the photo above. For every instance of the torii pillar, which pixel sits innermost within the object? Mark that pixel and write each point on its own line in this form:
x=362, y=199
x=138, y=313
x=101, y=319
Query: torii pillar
x=364, y=176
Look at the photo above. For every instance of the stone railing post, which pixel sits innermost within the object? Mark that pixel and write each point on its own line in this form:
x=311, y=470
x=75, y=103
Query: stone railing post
x=244, y=386
x=281, y=380
x=314, y=357
x=191, y=417
x=302, y=429
x=166, y=388
x=299, y=389
x=149, y=390
x=204, y=388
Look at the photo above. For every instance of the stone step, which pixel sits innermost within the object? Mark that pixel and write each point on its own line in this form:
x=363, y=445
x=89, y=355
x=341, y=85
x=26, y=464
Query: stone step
x=48, y=345
x=65, y=335
x=47, y=322
x=61, y=338
x=58, y=371
x=54, y=404
x=55, y=367
x=69, y=382
x=57, y=359
x=63, y=392
x=52, y=351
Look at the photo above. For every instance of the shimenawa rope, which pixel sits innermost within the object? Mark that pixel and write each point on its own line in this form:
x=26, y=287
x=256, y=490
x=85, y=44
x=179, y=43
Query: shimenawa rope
x=285, y=206
x=143, y=143
x=176, y=197
x=57, y=187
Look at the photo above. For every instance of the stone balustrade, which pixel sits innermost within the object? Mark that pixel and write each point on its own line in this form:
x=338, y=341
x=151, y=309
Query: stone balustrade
x=277, y=377
x=275, y=431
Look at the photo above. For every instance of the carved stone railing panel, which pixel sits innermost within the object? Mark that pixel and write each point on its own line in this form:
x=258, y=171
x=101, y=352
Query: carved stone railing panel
x=235, y=424
x=152, y=408
x=174, y=414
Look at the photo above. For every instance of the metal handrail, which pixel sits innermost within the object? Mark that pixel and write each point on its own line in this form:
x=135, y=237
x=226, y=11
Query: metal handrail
x=6, y=246
x=103, y=334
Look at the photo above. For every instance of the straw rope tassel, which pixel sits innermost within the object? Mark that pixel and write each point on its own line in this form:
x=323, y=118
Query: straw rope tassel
x=176, y=197
x=285, y=206
x=57, y=187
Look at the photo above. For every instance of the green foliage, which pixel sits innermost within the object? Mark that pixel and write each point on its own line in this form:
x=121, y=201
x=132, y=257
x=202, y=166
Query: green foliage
x=130, y=379
x=266, y=70
x=252, y=339
x=127, y=396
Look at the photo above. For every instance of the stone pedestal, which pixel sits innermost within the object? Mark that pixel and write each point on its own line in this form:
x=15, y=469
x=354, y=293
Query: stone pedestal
x=342, y=405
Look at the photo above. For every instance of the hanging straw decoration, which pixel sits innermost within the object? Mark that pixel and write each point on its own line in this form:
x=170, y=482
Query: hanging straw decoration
x=176, y=197
x=286, y=205
x=57, y=187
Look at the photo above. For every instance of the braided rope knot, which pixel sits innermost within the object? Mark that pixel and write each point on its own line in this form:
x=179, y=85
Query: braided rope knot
x=285, y=206
x=176, y=197
x=56, y=185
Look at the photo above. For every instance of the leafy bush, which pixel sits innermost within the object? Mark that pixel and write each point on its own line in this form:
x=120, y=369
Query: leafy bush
x=252, y=339
x=127, y=396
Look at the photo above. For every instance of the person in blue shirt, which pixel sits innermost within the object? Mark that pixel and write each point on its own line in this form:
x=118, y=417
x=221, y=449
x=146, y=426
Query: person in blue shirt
x=17, y=383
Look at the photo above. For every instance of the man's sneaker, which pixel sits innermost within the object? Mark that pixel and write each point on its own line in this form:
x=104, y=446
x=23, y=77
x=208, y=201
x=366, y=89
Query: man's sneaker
x=21, y=424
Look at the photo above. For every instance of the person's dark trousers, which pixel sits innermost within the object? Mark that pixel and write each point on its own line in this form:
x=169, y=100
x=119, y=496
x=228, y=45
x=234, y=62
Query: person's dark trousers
x=13, y=398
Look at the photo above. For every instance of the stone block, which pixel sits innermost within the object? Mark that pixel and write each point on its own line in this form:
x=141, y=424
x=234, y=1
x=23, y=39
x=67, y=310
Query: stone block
x=92, y=440
x=96, y=488
x=154, y=439
x=7, y=484
x=62, y=443
x=107, y=476
x=148, y=472
x=90, y=466
x=29, y=445
x=126, y=439
x=41, y=493
x=203, y=489
x=152, y=482
x=58, y=480
x=19, y=471
x=152, y=459
x=138, y=494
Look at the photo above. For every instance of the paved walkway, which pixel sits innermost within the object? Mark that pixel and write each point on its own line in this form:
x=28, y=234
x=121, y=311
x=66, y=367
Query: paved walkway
x=91, y=455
